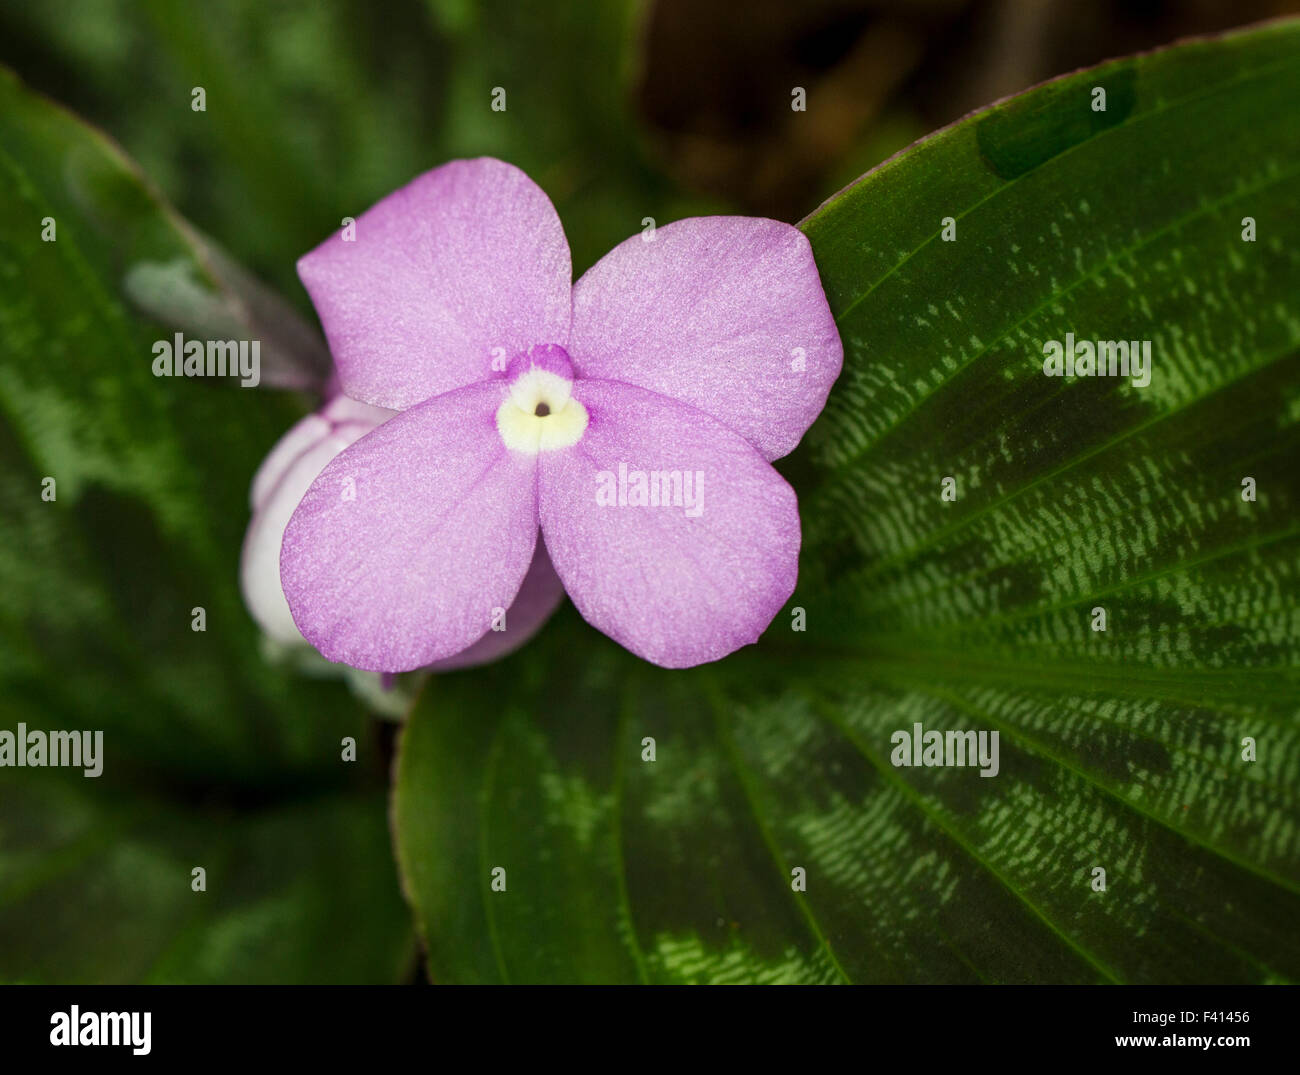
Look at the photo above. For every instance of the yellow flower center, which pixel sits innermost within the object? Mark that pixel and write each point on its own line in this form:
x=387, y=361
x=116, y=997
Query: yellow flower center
x=540, y=413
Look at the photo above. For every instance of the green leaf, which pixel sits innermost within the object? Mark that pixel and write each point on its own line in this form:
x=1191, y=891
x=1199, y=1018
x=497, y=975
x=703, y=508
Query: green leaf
x=151, y=475
x=210, y=758
x=99, y=889
x=1119, y=750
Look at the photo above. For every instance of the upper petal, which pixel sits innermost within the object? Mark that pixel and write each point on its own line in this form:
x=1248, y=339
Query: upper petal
x=724, y=313
x=678, y=583
x=464, y=260
x=407, y=544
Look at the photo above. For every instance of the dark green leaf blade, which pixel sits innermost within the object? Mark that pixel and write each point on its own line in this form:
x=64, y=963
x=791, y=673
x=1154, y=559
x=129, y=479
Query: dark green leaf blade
x=97, y=889
x=1120, y=749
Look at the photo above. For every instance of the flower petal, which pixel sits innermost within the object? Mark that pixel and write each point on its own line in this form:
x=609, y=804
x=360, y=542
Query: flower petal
x=287, y=473
x=465, y=259
x=682, y=583
x=341, y=410
x=724, y=313
x=539, y=595
x=259, y=562
x=409, y=540
x=302, y=436
x=343, y=418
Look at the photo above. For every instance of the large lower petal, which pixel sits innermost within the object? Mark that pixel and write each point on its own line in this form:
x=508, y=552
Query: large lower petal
x=411, y=541
x=539, y=595
x=463, y=266
x=724, y=313
x=701, y=567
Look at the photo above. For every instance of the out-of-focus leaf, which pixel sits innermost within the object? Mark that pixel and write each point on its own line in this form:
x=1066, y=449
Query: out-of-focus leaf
x=307, y=105
x=568, y=125
x=1120, y=750
x=293, y=354
x=99, y=889
x=151, y=475
x=350, y=101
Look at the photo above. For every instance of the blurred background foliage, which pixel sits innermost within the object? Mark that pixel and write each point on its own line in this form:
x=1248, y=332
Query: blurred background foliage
x=621, y=111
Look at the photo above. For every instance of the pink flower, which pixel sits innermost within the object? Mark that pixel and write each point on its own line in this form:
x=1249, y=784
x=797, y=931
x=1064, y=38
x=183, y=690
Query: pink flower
x=630, y=419
x=278, y=487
